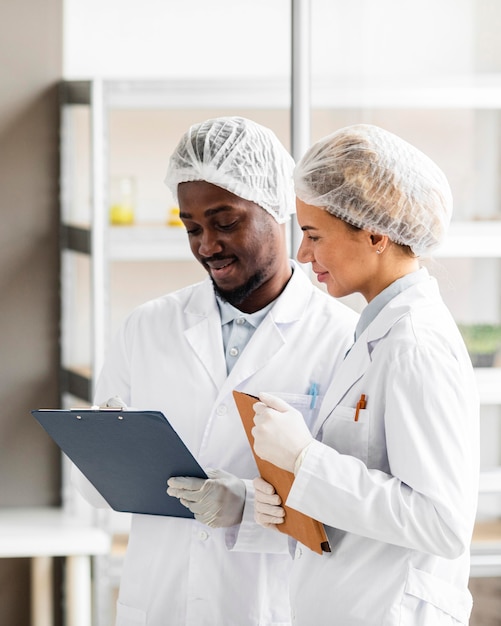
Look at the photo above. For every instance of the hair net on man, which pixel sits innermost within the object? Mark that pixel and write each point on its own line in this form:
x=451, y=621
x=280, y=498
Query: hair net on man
x=375, y=180
x=240, y=156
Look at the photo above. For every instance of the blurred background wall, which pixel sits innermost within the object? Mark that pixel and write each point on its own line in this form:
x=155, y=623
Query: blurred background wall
x=30, y=67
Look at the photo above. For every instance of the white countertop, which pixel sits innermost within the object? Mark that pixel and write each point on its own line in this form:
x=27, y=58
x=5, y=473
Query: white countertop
x=48, y=531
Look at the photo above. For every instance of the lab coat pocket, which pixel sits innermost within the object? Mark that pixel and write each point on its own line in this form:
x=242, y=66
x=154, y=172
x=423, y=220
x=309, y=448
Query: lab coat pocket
x=130, y=616
x=431, y=600
x=308, y=405
x=347, y=432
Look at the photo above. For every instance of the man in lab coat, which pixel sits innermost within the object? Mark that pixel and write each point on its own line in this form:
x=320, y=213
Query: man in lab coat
x=255, y=323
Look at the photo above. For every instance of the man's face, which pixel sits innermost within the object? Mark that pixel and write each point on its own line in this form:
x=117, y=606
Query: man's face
x=239, y=244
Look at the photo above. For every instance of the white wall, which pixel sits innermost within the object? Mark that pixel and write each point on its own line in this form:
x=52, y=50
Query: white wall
x=176, y=38
x=201, y=38
x=396, y=38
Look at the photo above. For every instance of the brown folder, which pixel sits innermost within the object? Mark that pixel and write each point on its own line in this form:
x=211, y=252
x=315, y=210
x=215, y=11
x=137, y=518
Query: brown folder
x=305, y=529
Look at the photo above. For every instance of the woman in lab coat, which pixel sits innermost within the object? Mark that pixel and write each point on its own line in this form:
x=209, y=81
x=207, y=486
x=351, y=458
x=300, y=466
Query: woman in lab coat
x=392, y=467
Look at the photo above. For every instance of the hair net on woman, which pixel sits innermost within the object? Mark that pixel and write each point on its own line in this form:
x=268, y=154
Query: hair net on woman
x=375, y=180
x=240, y=156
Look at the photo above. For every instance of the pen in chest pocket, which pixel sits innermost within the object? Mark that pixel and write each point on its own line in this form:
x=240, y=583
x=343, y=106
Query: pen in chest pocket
x=361, y=404
x=313, y=393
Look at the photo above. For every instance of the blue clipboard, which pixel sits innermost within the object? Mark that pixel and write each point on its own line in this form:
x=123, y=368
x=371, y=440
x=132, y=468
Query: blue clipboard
x=127, y=455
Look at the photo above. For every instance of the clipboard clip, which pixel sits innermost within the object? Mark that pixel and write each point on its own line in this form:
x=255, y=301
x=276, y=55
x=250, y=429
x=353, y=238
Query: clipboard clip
x=95, y=408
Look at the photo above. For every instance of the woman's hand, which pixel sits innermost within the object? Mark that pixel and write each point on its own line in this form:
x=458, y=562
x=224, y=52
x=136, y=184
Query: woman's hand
x=267, y=509
x=280, y=432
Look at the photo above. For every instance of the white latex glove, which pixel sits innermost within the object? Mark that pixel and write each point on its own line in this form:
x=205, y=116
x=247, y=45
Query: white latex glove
x=267, y=509
x=280, y=432
x=115, y=403
x=217, y=501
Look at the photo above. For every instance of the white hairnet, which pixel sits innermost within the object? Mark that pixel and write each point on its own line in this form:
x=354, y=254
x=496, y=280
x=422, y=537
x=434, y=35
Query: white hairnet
x=240, y=156
x=375, y=180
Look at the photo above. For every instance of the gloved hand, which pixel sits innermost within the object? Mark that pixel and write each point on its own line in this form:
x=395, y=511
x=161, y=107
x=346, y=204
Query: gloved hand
x=217, y=501
x=280, y=432
x=115, y=403
x=267, y=509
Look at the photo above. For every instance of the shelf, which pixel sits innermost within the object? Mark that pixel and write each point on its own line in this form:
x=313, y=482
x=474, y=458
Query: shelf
x=76, y=238
x=149, y=243
x=478, y=239
x=487, y=533
x=489, y=384
x=454, y=92
x=262, y=93
x=77, y=382
x=490, y=481
x=486, y=549
x=152, y=242
x=119, y=543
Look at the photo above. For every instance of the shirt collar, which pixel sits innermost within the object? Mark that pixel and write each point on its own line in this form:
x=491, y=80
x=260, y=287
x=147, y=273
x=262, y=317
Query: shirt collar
x=229, y=313
x=374, y=307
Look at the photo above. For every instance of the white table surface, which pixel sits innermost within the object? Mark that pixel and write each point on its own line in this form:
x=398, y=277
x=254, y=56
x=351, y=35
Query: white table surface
x=41, y=534
x=29, y=532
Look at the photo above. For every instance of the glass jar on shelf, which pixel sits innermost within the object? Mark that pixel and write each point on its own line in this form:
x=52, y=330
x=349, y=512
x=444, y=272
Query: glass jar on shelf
x=123, y=200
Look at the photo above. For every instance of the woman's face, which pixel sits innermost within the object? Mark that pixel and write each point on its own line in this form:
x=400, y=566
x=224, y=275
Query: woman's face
x=344, y=259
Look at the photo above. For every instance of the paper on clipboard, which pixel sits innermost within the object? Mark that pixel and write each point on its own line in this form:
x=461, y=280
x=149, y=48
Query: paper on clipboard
x=127, y=455
x=305, y=529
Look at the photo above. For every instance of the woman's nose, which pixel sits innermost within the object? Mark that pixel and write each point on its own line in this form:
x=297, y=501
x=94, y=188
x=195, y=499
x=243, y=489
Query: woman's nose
x=303, y=254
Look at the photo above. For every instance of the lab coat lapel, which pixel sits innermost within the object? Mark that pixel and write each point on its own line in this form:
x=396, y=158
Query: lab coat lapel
x=270, y=336
x=203, y=332
x=264, y=344
x=359, y=357
x=350, y=371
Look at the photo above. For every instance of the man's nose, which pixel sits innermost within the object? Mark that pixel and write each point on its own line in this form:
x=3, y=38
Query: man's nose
x=209, y=244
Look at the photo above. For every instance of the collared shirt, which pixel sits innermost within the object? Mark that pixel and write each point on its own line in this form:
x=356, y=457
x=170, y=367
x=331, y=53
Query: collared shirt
x=237, y=329
x=374, y=307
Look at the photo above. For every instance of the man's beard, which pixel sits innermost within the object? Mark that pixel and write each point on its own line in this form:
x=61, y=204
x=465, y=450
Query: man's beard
x=238, y=295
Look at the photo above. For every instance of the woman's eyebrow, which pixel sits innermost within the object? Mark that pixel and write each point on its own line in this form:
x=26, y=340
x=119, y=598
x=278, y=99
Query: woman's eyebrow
x=306, y=227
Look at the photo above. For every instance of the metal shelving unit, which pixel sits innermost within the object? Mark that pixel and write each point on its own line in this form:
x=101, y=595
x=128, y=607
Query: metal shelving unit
x=91, y=247
x=92, y=236
x=87, y=236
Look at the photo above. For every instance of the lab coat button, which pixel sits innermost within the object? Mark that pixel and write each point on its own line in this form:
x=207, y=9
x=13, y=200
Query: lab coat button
x=203, y=535
x=221, y=409
x=299, y=552
x=233, y=351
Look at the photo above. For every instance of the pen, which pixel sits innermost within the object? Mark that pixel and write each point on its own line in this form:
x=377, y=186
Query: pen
x=361, y=404
x=313, y=393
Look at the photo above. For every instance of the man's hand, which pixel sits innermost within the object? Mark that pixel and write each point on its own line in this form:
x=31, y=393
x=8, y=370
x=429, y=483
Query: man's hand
x=115, y=402
x=217, y=501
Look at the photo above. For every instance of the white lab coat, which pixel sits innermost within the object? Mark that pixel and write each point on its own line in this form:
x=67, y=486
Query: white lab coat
x=398, y=487
x=169, y=356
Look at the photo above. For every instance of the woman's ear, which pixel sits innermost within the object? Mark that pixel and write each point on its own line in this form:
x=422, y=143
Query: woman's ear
x=379, y=242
